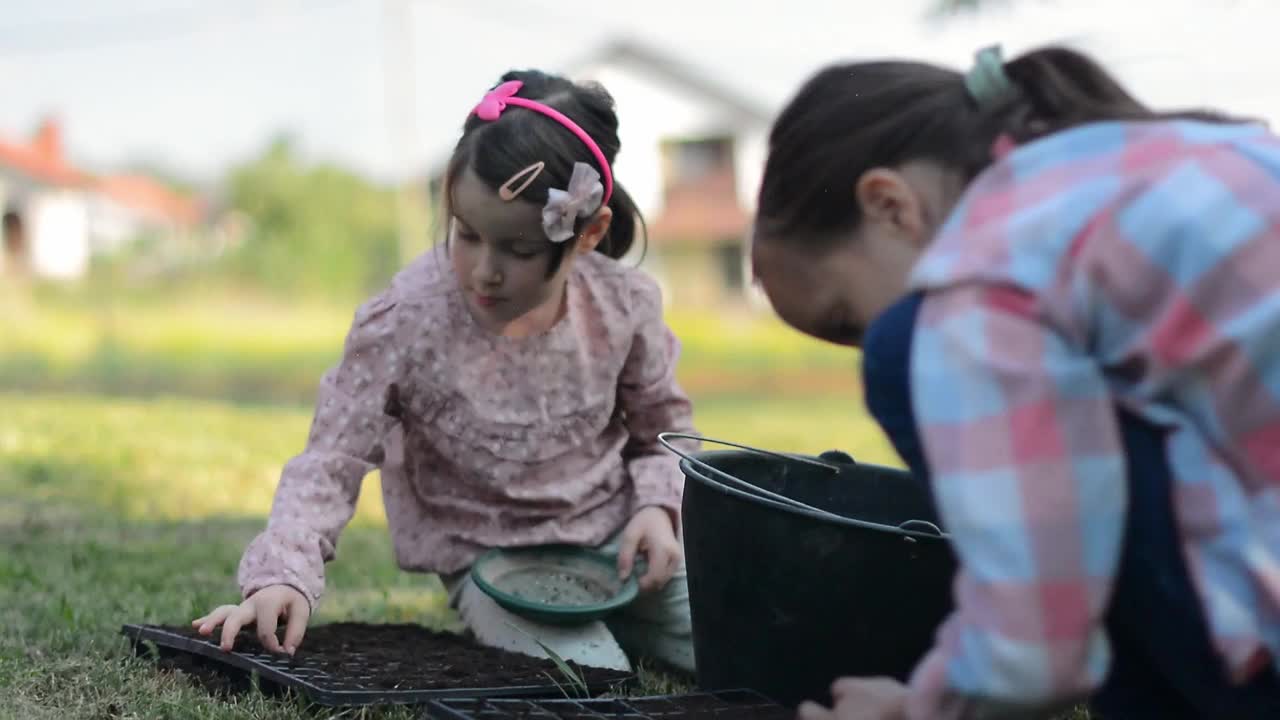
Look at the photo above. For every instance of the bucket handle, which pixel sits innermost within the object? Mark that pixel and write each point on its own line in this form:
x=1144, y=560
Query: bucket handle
x=662, y=438
x=921, y=526
x=742, y=484
x=909, y=526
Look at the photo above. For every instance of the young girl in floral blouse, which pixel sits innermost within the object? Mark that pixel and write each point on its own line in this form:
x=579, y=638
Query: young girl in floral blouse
x=510, y=386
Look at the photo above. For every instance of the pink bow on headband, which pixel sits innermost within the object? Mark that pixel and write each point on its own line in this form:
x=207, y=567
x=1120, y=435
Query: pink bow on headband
x=495, y=101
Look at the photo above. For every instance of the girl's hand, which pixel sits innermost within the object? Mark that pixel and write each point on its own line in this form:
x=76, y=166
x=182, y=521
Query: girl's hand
x=263, y=609
x=650, y=532
x=861, y=699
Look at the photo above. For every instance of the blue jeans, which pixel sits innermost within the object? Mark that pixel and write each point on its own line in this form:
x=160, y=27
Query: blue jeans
x=1163, y=664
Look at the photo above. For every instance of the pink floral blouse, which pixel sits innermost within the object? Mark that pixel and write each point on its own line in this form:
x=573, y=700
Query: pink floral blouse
x=482, y=440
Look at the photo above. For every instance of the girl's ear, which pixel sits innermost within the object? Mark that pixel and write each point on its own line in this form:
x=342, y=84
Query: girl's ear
x=595, y=231
x=886, y=198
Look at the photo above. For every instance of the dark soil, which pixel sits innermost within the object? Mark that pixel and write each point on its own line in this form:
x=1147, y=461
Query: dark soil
x=358, y=656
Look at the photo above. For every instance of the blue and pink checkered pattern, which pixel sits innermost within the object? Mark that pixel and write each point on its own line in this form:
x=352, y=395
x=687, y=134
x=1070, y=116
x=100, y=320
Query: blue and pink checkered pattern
x=1130, y=264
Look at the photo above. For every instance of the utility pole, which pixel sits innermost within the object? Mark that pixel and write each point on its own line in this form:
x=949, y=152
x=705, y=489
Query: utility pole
x=399, y=79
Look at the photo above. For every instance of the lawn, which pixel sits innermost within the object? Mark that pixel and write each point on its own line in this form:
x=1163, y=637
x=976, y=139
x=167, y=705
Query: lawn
x=118, y=509
x=247, y=347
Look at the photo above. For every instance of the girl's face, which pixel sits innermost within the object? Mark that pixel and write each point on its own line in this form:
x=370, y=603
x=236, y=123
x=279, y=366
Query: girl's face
x=834, y=293
x=501, y=257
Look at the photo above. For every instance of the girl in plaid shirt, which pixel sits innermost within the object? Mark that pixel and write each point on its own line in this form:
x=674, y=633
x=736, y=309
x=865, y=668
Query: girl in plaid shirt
x=1069, y=307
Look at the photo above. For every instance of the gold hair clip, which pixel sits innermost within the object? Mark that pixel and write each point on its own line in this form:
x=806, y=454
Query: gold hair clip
x=529, y=174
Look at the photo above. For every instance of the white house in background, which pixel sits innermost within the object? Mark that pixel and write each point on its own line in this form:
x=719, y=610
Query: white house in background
x=692, y=155
x=45, y=207
x=56, y=216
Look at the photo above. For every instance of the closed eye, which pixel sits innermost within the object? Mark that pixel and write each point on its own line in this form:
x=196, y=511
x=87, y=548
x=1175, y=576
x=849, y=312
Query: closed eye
x=525, y=250
x=464, y=233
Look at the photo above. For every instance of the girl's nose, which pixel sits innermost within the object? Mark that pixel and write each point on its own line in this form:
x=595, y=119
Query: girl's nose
x=487, y=271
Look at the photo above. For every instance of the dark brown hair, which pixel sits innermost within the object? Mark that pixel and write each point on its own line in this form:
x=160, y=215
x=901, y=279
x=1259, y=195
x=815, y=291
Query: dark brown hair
x=851, y=118
x=497, y=150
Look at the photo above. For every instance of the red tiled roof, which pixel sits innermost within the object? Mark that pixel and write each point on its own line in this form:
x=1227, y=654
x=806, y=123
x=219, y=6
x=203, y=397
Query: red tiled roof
x=41, y=159
x=150, y=197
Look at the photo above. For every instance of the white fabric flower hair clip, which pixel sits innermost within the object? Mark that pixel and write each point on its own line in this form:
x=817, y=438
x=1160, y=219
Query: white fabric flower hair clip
x=581, y=199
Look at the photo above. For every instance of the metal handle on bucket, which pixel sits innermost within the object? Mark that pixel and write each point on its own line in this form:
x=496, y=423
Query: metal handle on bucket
x=910, y=526
x=743, y=484
x=921, y=526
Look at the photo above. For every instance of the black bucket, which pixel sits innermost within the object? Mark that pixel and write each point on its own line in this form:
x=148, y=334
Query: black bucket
x=803, y=570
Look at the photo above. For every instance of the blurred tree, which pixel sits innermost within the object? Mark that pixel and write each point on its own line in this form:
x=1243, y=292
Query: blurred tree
x=316, y=228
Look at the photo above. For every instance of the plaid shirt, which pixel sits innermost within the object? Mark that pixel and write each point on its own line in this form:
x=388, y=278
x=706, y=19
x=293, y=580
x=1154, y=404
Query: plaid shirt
x=1115, y=263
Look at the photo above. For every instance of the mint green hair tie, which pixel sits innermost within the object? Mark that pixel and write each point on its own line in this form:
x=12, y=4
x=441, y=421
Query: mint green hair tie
x=987, y=81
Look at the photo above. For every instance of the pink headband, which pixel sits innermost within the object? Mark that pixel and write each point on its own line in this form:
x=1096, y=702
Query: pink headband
x=497, y=100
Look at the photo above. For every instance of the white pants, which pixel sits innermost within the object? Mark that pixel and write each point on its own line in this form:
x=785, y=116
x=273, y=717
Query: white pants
x=656, y=625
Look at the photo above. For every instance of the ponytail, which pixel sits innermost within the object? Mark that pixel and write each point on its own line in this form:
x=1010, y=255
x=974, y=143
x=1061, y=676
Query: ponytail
x=1058, y=88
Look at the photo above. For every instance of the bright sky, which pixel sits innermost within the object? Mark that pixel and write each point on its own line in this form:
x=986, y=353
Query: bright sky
x=196, y=86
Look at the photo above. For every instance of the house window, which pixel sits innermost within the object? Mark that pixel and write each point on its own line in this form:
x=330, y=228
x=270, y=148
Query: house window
x=731, y=266
x=15, y=242
x=690, y=161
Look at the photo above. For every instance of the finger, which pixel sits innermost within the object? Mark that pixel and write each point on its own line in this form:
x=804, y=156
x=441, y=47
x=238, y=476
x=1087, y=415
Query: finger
x=672, y=563
x=627, y=550
x=652, y=579
x=217, y=615
x=208, y=623
x=845, y=686
x=299, y=613
x=677, y=556
x=813, y=711
x=674, y=558
x=268, y=617
x=235, y=620
x=659, y=569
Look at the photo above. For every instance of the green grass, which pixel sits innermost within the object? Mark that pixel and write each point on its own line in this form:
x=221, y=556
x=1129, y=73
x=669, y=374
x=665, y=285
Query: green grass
x=259, y=349
x=130, y=510
x=70, y=577
x=115, y=512
x=178, y=458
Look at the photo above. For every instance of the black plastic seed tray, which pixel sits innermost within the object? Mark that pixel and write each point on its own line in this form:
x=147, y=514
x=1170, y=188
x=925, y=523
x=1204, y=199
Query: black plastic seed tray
x=729, y=705
x=308, y=677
